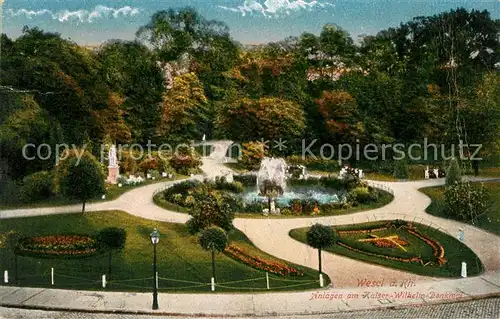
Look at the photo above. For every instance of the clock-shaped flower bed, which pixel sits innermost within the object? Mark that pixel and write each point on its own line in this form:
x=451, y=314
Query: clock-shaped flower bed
x=58, y=245
x=403, y=245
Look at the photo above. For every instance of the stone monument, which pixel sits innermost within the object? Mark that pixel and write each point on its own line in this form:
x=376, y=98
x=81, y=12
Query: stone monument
x=113, y=168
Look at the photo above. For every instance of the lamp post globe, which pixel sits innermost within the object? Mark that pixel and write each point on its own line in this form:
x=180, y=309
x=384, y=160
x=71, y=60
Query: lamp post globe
x=155, y=239
x=155, y=236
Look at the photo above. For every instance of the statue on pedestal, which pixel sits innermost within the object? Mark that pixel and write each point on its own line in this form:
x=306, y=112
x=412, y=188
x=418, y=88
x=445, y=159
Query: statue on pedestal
x=113, y=168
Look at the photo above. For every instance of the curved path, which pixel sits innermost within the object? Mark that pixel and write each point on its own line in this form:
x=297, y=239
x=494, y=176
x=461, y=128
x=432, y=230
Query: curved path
x=271, y=235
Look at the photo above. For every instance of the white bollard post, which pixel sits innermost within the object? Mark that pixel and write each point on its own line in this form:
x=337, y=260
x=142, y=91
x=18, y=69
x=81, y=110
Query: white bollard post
x=321, y=283
x=6, y=276
x=213, y=284
x=267, y=280
x=103, y=281
x=464, y=270
x=52, y=276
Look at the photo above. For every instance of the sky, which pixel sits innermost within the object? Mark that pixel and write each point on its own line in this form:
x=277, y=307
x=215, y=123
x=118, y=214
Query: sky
x=91, y=22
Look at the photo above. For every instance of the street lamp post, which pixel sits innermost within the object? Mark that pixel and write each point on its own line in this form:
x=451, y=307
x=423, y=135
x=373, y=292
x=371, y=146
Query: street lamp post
x=155, y=238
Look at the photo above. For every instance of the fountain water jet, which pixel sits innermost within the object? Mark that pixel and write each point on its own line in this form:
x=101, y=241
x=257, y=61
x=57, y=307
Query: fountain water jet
x=271, y=179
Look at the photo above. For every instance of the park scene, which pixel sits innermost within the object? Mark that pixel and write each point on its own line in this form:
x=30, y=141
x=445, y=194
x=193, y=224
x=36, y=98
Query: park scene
x=180, y=170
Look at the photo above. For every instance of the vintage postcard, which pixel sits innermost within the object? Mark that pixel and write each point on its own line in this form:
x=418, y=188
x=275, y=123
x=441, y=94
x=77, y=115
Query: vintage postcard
x=250, y=158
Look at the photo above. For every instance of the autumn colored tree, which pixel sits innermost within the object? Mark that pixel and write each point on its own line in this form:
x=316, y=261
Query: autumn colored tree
x=184, y=110
x=252, y=154
x=340, y=112
x=111, y=122
x=264, y=118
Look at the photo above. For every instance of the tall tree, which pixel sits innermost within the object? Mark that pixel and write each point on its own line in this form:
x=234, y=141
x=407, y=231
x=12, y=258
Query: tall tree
x=130, y=69
x=185, y=111
x=265, y=118
x=213, y=239
x=80, y=176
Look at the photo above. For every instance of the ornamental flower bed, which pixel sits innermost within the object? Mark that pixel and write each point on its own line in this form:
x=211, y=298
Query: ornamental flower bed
x=437, y=248
x=277, y=268
x=384, y=243
x=59, y=245
x=406, y=260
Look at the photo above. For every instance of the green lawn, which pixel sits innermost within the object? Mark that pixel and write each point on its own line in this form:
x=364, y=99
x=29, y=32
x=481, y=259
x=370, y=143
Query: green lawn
x=455, y=251
x=180, y=259
x=489, y=221
x=384, y=199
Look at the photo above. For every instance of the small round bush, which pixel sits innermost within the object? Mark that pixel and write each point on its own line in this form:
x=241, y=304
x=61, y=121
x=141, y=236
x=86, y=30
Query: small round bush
x=112, y=238
x=213, y=239
x=321, y=236
x=37, y=186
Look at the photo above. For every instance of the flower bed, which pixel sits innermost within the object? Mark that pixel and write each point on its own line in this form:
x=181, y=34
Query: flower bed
x=272, y=267
x=58, y=245
x=437, y=248
x=384, y=243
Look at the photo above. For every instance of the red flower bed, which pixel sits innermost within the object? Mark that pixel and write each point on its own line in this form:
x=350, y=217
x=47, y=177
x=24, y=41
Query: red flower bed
x=437, y=248
x=59, y=245
x=261, y=264
x=406, y=260
x=384, y=243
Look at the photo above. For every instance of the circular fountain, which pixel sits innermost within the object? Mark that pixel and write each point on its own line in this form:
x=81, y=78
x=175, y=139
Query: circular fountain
x=271, y=186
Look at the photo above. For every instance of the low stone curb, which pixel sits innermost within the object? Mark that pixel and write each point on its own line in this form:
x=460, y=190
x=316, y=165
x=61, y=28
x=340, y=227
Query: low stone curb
x=274, y=314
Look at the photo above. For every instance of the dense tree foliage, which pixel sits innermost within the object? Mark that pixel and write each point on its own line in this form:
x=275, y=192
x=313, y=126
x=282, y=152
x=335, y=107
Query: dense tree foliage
x=80, y=176
x=434, y=77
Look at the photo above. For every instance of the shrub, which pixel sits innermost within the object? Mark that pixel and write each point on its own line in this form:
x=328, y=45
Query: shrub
x=246, y=180
x=211, y=209
x=252, y=155
x=112, y=238
x=37, y=186
x=350, y=179
x=453, y=174
x=10, y=192
x=128, y=163
x=174, y=192
x=466, y=201
x=253, y=207
x=363, y=195
x=185, y=161
x=122, y=180
x=335, y=183
x=154, y=174
x=401, y=169
x=222, y=184
x=148, y=164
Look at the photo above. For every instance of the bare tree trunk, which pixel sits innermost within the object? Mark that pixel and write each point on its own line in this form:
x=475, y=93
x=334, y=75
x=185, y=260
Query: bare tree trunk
x=319, y=258
x=109, y=264
x=213, y=265
x=83, y=207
